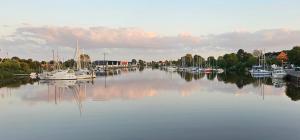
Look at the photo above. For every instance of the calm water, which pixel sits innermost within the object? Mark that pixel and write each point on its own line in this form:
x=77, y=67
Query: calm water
x=151, y=105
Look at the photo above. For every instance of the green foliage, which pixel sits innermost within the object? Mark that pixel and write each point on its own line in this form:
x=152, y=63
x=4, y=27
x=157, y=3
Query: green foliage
x=294, y=55
x=133, y=61
x=211, y=61
x=198, y=60
x=69, y=63
x=239, y=61
x=231, y=61
x=15, y=65
x=142, y=63
x=188, y=58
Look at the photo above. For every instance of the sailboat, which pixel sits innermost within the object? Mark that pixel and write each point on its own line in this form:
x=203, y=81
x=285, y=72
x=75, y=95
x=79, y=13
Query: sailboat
x=60, y=75
x=82, y=72
x=57, y=73
x=260, y=69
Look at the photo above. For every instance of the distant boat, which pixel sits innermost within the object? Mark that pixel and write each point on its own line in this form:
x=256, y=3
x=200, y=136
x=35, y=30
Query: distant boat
x=33, y=75
x=181, y=69
x=99, y=69
x=172, y=68
x=259, y=71
x=278, y=73
x=219, y=70
x=208, y=70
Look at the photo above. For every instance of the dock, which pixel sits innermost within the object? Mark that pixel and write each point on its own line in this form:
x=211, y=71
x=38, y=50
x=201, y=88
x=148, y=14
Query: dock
x=293, y=73
x=294, y=76
x=21, y=74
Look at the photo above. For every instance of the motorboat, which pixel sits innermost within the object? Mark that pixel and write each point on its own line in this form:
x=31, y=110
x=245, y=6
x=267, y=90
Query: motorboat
x=278, y=73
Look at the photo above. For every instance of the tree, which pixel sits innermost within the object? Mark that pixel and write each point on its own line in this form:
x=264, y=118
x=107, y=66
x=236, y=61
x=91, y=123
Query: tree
x=85, y=60
x=133, y=61
x=242, y=55
x=230, y=60
x=198, y=60
x=294, y=55
x=221, y=62
x=69, y=63
x=141, y=63
x=15, y=58
x=282, y=57
x=211, y=61
x=188, y=59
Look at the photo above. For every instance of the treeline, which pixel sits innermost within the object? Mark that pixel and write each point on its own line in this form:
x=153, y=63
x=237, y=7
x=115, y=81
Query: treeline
x=241, y=60
x=15, y=65
x=235, y=62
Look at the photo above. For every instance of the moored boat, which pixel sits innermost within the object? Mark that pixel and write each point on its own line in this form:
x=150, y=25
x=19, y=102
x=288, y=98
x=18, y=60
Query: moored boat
x=278, y=73
x=259, y=71
x=58, y=75
x=172, y=68
x=208, y=70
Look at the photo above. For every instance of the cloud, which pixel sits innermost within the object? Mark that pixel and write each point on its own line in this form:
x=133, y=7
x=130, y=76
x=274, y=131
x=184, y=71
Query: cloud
x=126, y=43
x=271, y=40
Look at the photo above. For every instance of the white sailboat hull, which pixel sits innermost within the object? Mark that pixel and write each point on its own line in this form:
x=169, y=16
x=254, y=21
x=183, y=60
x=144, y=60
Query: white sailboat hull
x=58, y=75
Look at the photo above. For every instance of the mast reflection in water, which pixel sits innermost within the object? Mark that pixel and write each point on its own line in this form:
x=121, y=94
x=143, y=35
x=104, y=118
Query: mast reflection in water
x=151, y=104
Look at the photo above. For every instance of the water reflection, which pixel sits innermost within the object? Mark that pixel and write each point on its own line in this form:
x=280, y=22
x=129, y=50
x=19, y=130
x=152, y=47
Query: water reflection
x=278, y=83
x=64, y=90
x=133, y=103
x=17, y=82
x=127, y=84
x=293, y=90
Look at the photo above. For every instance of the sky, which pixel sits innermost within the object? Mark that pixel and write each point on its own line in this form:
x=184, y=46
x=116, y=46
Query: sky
x=146, y=29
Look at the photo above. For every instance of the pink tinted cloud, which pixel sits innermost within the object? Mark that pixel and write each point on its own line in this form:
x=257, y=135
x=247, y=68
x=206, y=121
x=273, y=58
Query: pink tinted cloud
x=135, y=41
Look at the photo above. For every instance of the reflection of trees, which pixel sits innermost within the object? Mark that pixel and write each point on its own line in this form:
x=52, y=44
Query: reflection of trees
x=211, y=76
x=199, y=76
x=240, y=80
x=293, y=91
x=190, y=76
x=141, y=68
x=16, y=82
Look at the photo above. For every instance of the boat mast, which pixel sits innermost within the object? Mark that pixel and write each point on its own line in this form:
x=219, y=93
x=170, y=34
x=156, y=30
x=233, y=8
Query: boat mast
x=78, y=57
x=54, y=63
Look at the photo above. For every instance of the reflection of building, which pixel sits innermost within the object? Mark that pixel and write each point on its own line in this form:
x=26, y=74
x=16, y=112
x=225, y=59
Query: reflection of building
x=113, y=64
